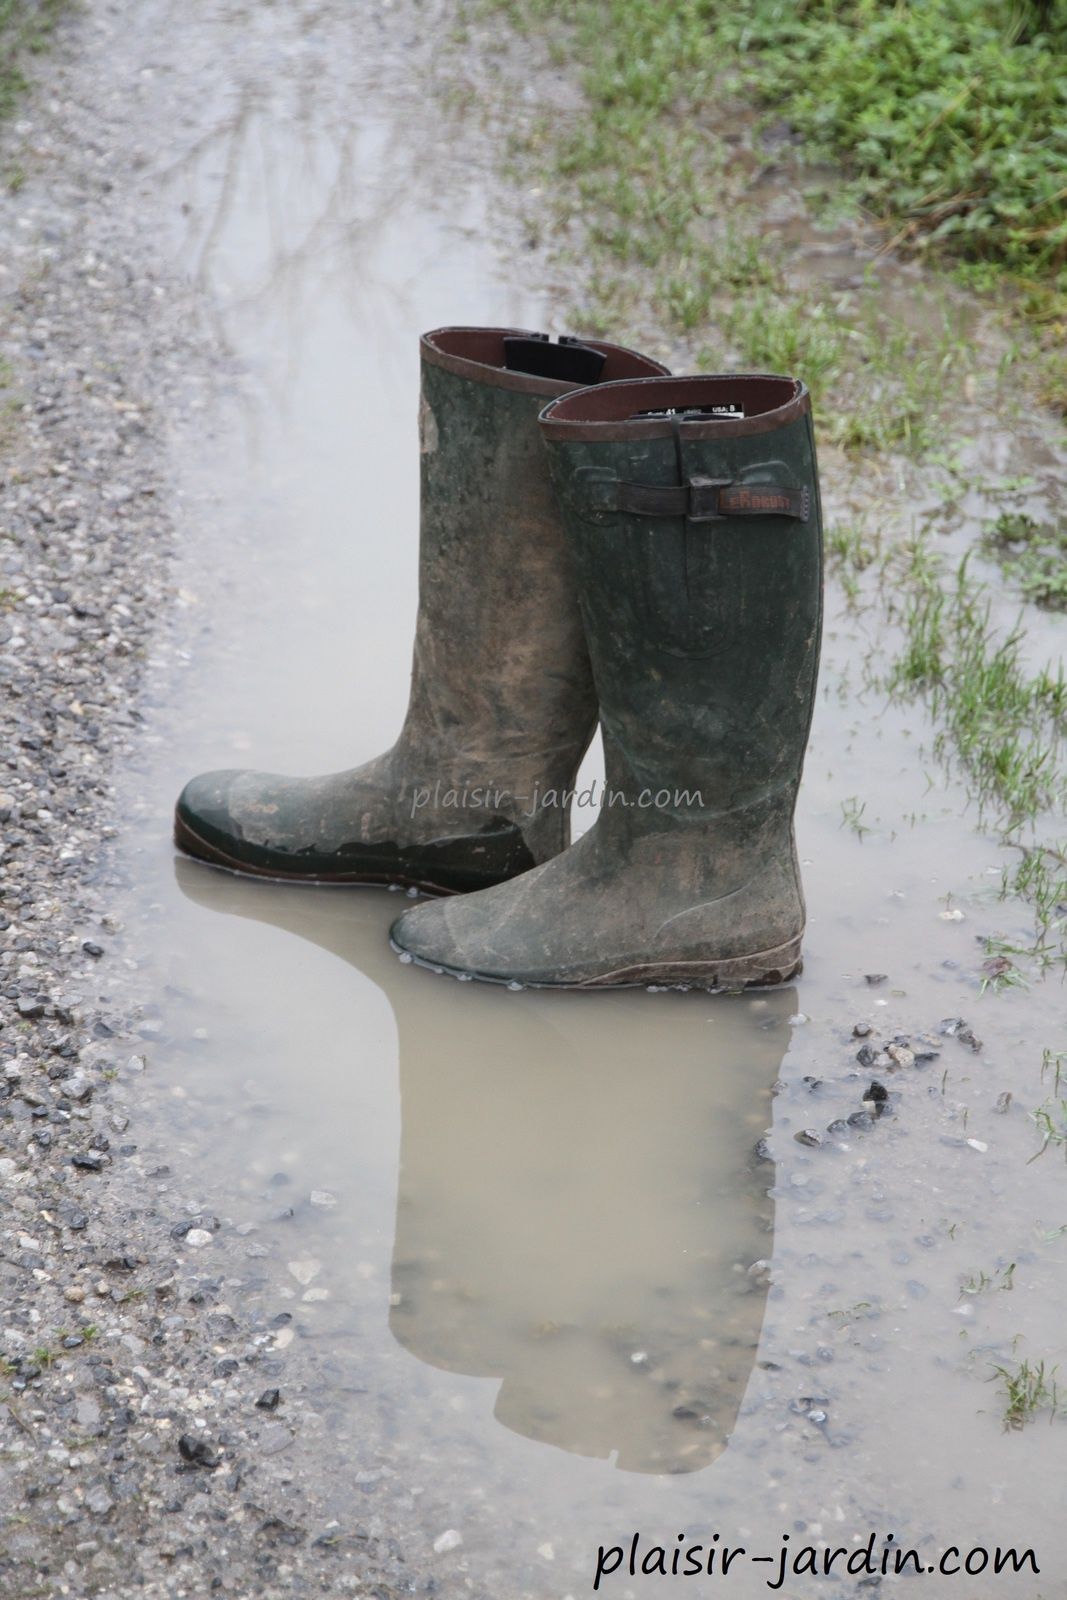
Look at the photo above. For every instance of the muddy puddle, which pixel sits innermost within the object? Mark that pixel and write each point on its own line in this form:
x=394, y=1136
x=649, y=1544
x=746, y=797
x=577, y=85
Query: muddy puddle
x=561, y=1265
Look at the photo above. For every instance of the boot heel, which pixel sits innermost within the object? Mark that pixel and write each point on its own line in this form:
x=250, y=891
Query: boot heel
x=764, y=970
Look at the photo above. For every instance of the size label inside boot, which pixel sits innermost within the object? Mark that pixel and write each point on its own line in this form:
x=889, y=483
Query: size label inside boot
x=727, y=408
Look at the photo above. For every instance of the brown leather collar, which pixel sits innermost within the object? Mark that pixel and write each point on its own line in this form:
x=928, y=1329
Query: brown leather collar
x=613, y=411
x=478, y=354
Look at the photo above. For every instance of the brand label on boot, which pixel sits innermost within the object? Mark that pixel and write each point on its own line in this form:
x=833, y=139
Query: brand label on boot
x=731, y=409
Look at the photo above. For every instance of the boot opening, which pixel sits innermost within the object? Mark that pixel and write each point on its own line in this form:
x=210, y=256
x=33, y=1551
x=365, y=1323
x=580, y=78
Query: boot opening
x=729, y=396
x=518, y=351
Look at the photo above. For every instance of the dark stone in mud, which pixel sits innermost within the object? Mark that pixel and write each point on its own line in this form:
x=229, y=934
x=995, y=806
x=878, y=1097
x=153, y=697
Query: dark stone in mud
x=187, y=1224
x=808, y=1136
x=92, y=949
x=270, y=1400
x=226, y=1367
x=875, y=978
x=957, y=1028
x=198, y=1452
x=878, y=1093
x=761, y=1150
x=861, y=1119
x=88, y=1162
x=30, y=1009
x=838, y=1126
x=866, y=1055
x=861, y=1030
x=813, y=1083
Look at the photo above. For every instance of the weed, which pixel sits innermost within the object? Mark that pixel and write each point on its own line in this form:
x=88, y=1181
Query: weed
x=1051, y=1120
x=24, y=29
x=1027, y=1391
x=1004, y=725
x=1002, y=1278
x=852, y=811
x=1032, y=554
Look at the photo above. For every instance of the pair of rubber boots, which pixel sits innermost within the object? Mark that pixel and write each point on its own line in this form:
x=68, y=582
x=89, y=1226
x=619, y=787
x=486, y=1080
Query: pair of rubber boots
x=642, y=546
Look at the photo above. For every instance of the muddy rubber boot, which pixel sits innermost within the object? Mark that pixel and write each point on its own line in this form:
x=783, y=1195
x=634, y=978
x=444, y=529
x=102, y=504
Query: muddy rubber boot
x=692, y=513
x=502, y=703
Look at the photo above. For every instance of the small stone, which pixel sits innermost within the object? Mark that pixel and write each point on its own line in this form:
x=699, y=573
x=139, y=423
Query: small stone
x=955, y=915
x=875, y=978
x=198, y=1452
x=78, y=1086
x=861, y=1030
x=99, y=1501
x=197, y=1238
x=1003, y=1102
x=92, y=949
x=29, y=1010
x=451, y=1539
x=89, y=1162
x=900, y=1054
x=75, y=1294
x=808, y=1136
x=978, y=1144
x=322, y=1197
x=269, y=1400
x=305, y=1271
x=878, y=1093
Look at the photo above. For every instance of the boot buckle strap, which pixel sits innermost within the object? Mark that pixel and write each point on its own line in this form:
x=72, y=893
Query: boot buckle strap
x=701, y=499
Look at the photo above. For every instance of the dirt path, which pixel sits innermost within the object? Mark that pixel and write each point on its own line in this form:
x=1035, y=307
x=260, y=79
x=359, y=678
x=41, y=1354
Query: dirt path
x=232, y=228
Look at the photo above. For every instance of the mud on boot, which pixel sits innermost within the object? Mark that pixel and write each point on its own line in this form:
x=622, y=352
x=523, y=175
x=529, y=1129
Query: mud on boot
x=692, y=516
x=502, y=703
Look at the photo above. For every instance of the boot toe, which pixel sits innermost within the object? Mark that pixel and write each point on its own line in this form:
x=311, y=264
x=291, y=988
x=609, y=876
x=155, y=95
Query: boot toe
x=424, y=933
x=203, y=823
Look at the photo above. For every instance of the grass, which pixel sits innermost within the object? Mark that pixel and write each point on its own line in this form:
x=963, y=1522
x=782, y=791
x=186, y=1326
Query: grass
x=25, y=26
x=948, y=115
x=1002, y=1278
x=1051, y=1120
x=670, y=223
x=946, y=121
x=1033, y=555
x=1027, y=1391
x=1003, y=723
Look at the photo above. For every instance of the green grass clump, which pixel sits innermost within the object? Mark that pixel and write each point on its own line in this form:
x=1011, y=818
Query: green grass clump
x=1005, y=724
x=1033, y=555
x=950, y=115
x=24, y=29
x=1026, y=1392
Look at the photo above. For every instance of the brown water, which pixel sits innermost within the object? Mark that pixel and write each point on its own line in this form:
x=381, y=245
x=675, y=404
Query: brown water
x=527, y=1236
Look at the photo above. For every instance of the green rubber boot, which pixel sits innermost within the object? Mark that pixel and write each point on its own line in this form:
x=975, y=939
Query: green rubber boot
x=502, y=703
x=692, y=515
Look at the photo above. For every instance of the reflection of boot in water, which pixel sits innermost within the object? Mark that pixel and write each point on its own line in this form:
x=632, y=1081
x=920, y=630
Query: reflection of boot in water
x=578, y=1210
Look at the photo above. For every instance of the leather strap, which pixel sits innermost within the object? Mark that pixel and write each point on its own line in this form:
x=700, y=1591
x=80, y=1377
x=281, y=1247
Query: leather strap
x=703, y=499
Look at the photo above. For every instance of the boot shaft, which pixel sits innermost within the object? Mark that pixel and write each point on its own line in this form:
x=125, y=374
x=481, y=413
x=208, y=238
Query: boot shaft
x=500, y=662
x=693, y=521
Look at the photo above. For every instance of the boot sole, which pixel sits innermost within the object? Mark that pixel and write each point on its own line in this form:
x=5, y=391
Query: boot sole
x=766, y=969
x=188, y=840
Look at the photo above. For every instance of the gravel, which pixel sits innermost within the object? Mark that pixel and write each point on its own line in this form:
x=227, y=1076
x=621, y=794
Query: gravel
x=138, y=1450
